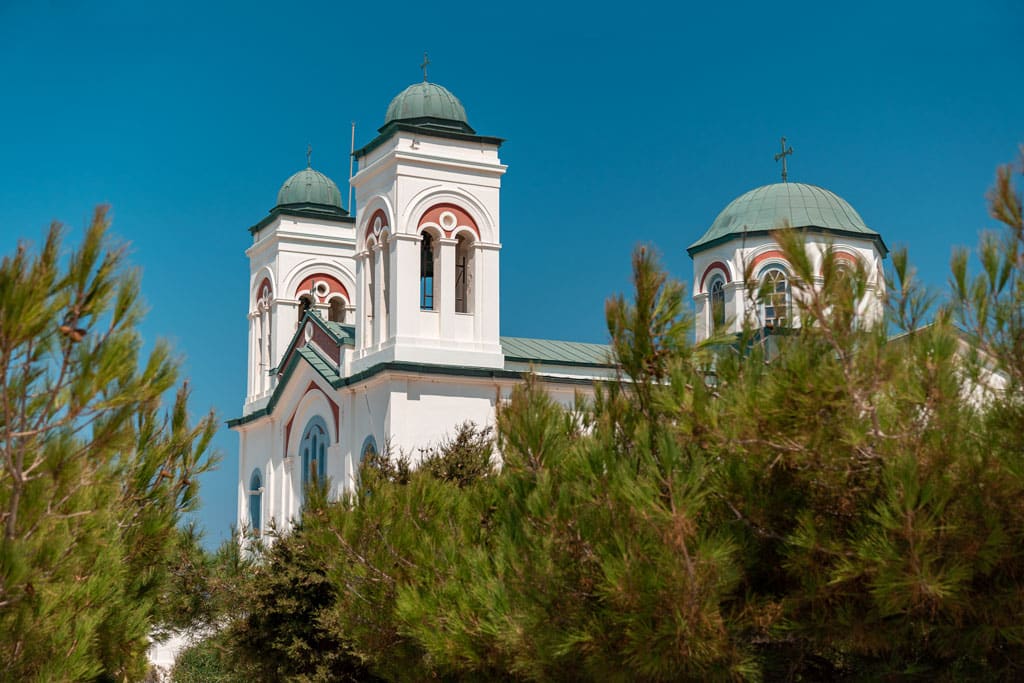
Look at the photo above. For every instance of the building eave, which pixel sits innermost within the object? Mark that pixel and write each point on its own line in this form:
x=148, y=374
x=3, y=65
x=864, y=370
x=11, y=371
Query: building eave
x=698, y=247
x=400, y=367
x=329, y=217
x=390, y=129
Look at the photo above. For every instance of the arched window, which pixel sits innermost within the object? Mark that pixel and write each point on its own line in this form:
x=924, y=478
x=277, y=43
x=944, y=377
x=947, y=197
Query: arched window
x=717, y=304
x=426, y=271
x=369, y=448
x=844, y=274
x=336, y=310
x=463, y=274
x=256, y=501
x=385, y=247
x=263, y=328
x=314, y=451
x=775, y=297
x=371, y=290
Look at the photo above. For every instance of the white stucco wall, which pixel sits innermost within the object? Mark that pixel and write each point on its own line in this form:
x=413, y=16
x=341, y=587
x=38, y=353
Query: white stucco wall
x=406, y=411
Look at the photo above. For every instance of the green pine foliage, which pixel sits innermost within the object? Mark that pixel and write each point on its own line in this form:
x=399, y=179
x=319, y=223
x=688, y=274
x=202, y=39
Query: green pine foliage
x=94, y=475
x=833, y=502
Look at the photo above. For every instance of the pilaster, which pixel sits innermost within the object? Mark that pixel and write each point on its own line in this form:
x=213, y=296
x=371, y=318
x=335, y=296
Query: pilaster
x=444, y=286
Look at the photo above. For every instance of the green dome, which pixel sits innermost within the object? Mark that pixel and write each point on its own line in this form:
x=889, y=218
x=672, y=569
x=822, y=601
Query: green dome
x=311, y=189
x=426, y=100
x=802, y=206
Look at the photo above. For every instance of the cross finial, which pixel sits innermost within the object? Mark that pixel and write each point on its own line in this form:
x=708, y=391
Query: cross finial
x=309, y=155
x=424, y=65
x=782, y=155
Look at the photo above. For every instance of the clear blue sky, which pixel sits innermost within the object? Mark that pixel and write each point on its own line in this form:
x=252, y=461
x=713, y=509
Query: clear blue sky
x=624, y=122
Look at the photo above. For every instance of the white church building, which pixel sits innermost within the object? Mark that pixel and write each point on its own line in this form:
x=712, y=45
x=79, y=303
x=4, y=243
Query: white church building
x=383, y=328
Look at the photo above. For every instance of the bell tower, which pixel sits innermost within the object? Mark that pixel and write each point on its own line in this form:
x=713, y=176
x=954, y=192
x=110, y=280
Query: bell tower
x=300, y=259
x=428, y=237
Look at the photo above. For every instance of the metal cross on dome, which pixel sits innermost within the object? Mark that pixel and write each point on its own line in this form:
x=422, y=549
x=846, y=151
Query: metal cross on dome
x=424, y=65
x=309, y=155
x=782, y=155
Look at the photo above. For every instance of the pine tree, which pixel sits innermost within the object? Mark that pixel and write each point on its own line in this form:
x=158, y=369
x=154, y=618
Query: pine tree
x=94, y=476
x=834, y=502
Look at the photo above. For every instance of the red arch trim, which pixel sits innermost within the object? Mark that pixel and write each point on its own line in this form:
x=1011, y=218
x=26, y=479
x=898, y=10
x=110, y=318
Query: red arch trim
x=774, y=253
x=717, y=265
x=379, y=213
x=334, y=286
x=334, y=410
x=846, y=256
x=433, y=215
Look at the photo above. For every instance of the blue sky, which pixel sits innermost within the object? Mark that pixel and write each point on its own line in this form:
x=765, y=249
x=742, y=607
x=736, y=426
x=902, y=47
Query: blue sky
x=625, y=123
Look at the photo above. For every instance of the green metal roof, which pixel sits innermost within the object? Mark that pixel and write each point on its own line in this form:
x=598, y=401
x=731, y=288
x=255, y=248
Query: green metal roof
x=516, y=349
x=426, y=101
x=319, y=363
x=343, y=334
x=555, y=352
x=310, y=188
x=802, y=206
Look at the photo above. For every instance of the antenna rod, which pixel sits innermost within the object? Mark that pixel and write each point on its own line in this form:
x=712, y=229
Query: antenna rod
x=351, y=165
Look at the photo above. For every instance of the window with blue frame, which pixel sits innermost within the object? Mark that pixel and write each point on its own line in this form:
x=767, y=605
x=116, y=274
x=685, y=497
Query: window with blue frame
x=426, y=272
x=369, y=448
x=717, y=304
x=256, y=501
x=314, y=451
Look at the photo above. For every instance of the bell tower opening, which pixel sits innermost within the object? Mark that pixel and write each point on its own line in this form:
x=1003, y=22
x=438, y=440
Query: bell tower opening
x=336, y=310
x=463, y=274
x=426, y=271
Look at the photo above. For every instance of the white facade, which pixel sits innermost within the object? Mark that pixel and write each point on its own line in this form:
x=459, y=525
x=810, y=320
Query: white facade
x=404, y=345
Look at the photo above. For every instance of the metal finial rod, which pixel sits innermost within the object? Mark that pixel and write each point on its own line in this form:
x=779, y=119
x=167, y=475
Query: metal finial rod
x=351, y=166
x=424, y=65
x=309, y=155
x=782, y=155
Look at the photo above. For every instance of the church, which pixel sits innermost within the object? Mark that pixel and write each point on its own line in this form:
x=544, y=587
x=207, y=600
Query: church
x=382, y=329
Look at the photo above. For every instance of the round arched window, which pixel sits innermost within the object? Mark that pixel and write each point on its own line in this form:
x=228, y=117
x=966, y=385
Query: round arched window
x=314, y=451
x=775, y=297
x=717, y=304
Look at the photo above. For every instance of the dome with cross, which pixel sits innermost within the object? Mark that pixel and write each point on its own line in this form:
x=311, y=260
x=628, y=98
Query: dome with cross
x=797, y=205
x=309, y=189
x=428, y=104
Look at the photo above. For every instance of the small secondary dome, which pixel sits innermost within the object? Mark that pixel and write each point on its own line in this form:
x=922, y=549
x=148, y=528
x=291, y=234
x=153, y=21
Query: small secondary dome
x=426, y=101
x=311, y=189
x=798, y=204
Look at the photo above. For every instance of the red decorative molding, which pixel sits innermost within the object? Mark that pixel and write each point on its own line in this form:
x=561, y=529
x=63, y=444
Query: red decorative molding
x=335, y=287
x=774, y=253
x=379, y=213
x=846, y=256
x=717, y=265
x=433, y=216
x=288, y=433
